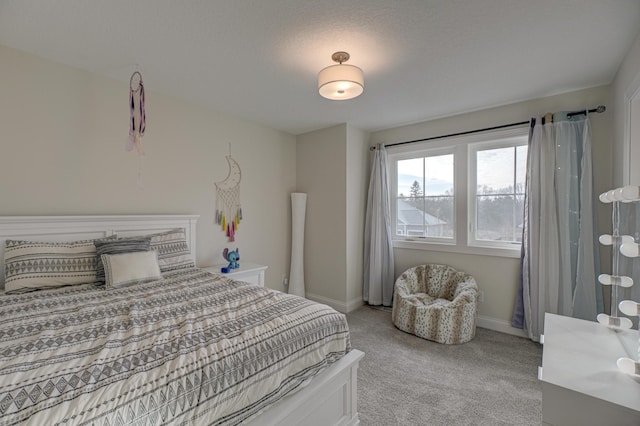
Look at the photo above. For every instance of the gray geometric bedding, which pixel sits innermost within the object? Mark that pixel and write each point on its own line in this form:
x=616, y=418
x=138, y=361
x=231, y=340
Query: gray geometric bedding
x=193, y=348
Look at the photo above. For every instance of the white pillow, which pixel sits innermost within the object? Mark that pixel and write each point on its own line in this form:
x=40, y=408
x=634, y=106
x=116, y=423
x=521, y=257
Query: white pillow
x=131, y=268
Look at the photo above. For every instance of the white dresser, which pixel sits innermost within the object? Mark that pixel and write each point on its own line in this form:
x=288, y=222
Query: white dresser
x=252, y=273
x=581, y=383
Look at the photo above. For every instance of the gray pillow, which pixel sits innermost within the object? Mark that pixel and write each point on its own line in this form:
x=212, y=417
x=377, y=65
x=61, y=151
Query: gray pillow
x=119, y=246
x=173, y=250
x=32, y=265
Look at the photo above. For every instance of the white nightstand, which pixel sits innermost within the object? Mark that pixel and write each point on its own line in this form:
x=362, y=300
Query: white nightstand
x=248, y=272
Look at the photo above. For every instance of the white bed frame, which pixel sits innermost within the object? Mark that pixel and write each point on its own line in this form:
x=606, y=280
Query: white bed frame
x=331, y=398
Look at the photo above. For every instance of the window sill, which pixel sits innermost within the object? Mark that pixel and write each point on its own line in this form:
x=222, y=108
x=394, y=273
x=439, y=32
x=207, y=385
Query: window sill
x=453, y=248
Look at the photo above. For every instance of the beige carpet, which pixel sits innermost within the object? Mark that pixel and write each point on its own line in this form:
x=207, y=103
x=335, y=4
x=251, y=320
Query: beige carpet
x=405, y=380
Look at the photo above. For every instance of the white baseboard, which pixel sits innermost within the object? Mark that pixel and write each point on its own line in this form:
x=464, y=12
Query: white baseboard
x=354, y=304
x=338, y=305
x=335, y=304
x=485, y=322
x=500, y=325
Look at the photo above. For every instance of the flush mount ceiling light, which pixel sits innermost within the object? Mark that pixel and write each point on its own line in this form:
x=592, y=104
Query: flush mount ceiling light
x=340, y=82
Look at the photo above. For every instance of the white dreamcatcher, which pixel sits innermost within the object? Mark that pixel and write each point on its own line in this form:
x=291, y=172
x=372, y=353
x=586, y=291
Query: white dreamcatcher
x=228, y=207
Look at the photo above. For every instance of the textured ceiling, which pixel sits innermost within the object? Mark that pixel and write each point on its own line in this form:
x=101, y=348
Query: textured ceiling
x=259, y=59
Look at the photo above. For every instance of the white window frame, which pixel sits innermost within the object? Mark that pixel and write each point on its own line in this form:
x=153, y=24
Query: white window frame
x=460, y=148
x=432, y=151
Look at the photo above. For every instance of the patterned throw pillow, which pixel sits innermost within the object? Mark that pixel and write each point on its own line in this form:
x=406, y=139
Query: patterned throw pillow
x=130, y=268
x=121, y=245
x=173, y=250
x=31, y=265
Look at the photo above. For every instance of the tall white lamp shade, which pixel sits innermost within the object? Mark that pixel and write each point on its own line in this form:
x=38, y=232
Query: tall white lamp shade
x=296, y=273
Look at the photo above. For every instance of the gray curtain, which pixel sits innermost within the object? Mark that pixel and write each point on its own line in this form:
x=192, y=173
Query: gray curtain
x=378, y=245
x=560, y=250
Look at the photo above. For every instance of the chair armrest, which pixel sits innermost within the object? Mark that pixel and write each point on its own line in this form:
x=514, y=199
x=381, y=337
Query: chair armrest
x=409, y=283
x=466, y=291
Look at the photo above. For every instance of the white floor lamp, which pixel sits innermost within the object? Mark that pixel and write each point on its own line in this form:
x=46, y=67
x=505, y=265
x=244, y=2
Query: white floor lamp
x=296, y=274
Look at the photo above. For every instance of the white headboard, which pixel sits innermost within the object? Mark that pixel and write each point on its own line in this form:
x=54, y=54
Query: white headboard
x=71, y=228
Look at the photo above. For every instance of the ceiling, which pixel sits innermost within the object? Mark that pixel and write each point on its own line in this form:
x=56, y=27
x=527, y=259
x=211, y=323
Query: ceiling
x=259, y=59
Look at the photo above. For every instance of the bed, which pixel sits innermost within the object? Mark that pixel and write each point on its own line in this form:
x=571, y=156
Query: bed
x=190, y=348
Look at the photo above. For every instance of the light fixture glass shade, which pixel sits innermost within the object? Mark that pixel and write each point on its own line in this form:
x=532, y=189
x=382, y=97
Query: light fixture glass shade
x=341, y=82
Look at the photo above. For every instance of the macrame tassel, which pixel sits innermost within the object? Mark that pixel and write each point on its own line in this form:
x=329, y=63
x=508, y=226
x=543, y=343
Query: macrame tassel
x=135, y=142
x=224, y=223
x=231, y=232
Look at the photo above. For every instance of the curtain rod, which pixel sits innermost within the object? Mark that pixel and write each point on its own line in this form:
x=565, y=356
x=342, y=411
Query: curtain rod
x=598, y=109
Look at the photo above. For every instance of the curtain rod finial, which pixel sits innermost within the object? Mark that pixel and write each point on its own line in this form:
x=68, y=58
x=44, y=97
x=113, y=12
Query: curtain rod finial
x=601, y=108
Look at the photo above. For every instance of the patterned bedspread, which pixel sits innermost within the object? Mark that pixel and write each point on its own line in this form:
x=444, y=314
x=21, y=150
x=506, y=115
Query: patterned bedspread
x=193, y=348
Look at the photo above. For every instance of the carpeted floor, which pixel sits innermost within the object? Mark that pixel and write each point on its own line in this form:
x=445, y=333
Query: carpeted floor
x=405, y=380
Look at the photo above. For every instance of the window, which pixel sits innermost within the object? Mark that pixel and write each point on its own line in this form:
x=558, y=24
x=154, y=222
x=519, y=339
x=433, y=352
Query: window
x=425, y=201
x=460, y=194
x=496, y=178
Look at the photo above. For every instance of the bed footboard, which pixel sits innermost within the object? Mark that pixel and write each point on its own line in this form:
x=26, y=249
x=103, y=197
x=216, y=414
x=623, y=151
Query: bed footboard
x=330, y=399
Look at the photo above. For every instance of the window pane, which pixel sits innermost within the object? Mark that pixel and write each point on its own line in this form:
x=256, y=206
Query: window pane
x=425, y=197
x=438, y=175
x=410, y=219
x=439, y=217
x=519, y=219
x=495, y=170
x=500, y=193
x=410, y=172
x=496, y=218
x=521, y=167
x=425, y=217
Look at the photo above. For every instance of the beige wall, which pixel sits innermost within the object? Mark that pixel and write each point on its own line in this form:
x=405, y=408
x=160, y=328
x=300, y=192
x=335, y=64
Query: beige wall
x=498, y=276
x=627, y=80
x=357, y=183
x=321, y=174
x=62, y=138
x=332, y=169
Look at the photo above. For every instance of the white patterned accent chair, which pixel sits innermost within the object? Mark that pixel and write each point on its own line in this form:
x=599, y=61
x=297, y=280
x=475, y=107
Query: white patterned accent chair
x=436, y=302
